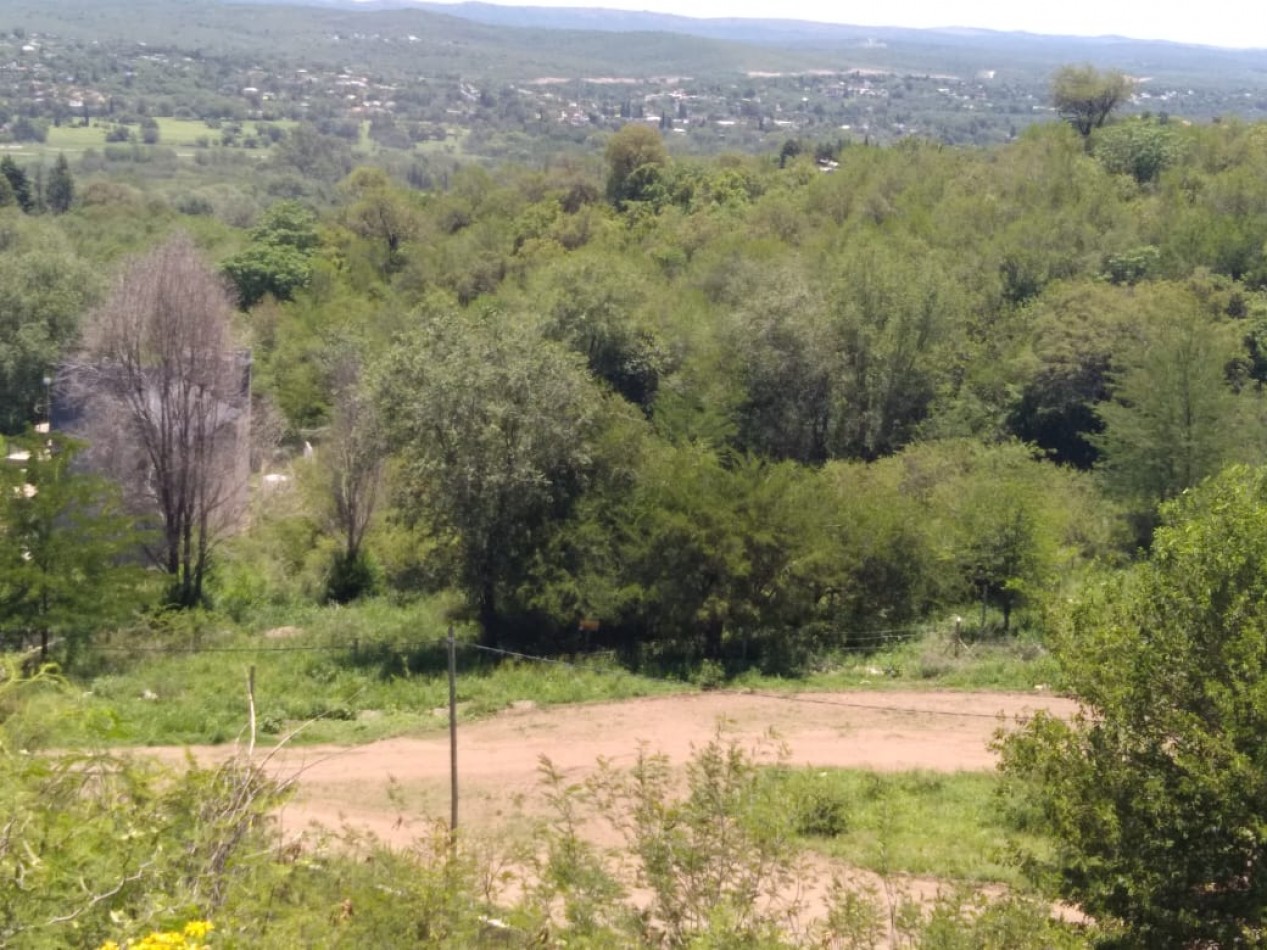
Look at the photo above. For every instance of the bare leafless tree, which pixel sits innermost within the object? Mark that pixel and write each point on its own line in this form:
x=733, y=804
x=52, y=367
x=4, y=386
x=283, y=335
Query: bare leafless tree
x=353, y=457
x=163, y=397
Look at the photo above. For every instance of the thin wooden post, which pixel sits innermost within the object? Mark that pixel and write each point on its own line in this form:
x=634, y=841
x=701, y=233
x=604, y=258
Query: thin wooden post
x=250, y=701
x=453, y=737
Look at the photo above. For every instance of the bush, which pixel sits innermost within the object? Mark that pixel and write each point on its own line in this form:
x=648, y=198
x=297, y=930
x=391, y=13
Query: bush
x=350, y=578
x=818, y=809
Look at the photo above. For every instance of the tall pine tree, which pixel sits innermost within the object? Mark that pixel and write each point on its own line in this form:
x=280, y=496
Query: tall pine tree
x=17, y=181
x=59, y=191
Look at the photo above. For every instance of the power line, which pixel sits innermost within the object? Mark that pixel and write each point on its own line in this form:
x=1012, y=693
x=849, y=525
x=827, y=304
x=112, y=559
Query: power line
x=547, y=659
x=851, y=643
x=785, y=697
x=306, y=648
x=357, y=645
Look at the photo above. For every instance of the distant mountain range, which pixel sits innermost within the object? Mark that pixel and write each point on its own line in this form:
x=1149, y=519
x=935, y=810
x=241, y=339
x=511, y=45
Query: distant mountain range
x=897, y=47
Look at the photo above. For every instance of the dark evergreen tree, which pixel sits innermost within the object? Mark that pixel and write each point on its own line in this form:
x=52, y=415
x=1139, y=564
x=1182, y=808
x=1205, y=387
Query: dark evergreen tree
x=17, y=181
x=59, y=193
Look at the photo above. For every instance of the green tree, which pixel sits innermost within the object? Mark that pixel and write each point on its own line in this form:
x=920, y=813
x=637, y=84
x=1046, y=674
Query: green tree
x=67, y=548
x=18, y=181
x=353, y=458
x=1142, y=148
x=590, y=302
x=262, y=269
x=891, y=308
x=1156, y=793
x=635, y=158
x=779, y=349
x=1085, y=97
x=44, y=287
x=278, y=259
x=1080, y=335
x=313, y=155
x=1173, y=418
x=381, y=213
x=493, y=426
x=59, y=193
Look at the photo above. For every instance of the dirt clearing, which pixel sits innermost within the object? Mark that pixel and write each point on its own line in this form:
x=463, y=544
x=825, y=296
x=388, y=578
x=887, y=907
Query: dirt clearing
x=395, y=787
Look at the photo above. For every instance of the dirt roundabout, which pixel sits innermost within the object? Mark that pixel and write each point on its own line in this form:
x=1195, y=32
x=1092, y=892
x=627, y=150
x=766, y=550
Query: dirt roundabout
x=397, y=787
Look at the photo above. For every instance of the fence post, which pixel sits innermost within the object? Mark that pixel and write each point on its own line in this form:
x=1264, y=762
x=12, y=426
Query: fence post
x=453, y=738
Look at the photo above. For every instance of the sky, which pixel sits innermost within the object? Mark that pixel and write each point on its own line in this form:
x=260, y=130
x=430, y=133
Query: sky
x=1230, y=23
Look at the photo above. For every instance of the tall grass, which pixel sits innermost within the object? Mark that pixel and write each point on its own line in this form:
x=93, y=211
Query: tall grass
x=378, y=669
x=944, y=825
x=358, y=673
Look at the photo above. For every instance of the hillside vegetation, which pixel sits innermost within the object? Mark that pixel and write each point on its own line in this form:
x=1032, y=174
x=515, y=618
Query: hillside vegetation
x=826, y=412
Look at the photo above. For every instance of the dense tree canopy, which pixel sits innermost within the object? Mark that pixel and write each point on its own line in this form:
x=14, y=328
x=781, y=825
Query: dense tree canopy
x=841, y=330
x=1086, y=97
x=66, y=547
x=495, y=427
x=1156, y=792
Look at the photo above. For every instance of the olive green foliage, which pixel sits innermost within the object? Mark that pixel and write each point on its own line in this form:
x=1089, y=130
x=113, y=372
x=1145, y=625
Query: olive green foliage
x=709, y=555
x=635, y=157
x=736, y=396
x=495, y=425
x=1175, y=417
x=1085, y=97
x=596, y=306
x=277, y=259
x=381, y=213
x=19, y=183
x=1154, y=793
x=97, y=842
x=44, y=289
x=59, y=192
x=68, y=550
x=1142, y=148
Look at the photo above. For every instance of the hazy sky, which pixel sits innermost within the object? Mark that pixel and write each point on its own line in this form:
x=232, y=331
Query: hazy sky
x=1214, y=22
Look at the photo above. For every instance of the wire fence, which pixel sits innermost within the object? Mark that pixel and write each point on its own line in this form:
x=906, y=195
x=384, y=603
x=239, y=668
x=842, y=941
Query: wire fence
x=595, y=662
x=868, y=641
x=354, y=645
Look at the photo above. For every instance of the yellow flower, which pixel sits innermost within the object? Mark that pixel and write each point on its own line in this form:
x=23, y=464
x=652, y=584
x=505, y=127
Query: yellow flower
x=188, y=938
x=197, y=929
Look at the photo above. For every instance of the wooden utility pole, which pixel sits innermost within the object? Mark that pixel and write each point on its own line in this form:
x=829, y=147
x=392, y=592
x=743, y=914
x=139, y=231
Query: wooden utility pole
x=453, y=737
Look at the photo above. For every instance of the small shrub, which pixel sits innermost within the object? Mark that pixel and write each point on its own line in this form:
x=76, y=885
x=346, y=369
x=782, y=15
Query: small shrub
x=709, y=675
x=349, y=578
x=819, y=809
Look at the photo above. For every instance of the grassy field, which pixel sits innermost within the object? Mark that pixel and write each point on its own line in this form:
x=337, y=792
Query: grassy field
x=183, y=135
x=932, y=659
x=375, y=670
x=361, y=673
x=950, y=826
x=187, y=136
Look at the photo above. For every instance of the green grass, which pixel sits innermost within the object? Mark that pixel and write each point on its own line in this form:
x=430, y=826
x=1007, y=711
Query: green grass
x=179, y=134
x=394, y=682
x=377, y=669
x=1015, y=663
x=951, y=826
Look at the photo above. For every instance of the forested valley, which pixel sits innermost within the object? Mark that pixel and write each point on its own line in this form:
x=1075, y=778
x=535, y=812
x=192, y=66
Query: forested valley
x=706, y=417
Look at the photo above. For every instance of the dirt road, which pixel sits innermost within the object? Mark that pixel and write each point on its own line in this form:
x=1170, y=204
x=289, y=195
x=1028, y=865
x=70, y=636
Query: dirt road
x=395, y=787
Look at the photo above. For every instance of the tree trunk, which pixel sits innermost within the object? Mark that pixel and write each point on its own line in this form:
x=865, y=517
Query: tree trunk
x=713, y=638
x=488, y=619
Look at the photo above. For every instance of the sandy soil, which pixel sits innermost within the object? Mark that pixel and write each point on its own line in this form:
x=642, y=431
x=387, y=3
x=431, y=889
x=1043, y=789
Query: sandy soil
x=397, y=787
